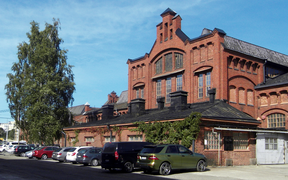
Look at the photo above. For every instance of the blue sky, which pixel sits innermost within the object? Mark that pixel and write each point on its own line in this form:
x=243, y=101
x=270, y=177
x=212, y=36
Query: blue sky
x=102, y=35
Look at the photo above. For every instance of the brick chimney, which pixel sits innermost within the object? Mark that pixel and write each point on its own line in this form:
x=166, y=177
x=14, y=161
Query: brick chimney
x=137, y=107
x=212, y=93
x=87, y=107
x=160, y=102
x=178, y=100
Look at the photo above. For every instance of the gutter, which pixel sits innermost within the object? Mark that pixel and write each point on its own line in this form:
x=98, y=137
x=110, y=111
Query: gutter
x=251, y=130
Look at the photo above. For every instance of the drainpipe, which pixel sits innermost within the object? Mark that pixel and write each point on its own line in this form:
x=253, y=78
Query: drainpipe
x=64, y=138
x=108, y=127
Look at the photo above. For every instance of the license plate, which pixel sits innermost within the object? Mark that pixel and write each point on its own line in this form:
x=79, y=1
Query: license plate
x=143, y=158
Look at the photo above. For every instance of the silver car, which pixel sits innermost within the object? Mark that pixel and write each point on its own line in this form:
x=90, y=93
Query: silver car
x=60, y=154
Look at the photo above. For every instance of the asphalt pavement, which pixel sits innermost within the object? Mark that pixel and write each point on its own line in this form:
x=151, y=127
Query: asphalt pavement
x=252, y=172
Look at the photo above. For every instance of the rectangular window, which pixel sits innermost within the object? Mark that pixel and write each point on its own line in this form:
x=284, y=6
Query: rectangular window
x=168, y=90
x=200, y=86
x=142, y=93
x=208, y=82
x=137, y=93
x=168, y=62
x=179, y=83
x=107, y=139
x=178, y=60
x=89, y=139
x=240, y=140
x=159, y=66
x=72, y=139
x=271, y=143
x=211, y=140
x=135, y=138
x=158, y=89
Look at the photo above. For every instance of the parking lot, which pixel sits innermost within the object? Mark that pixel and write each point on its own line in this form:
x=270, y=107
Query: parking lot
x=262, y=172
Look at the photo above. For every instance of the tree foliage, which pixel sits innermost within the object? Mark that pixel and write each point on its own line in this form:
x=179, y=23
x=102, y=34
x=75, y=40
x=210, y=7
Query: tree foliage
x=2, y=133
x=171, y=132
x=41, y=85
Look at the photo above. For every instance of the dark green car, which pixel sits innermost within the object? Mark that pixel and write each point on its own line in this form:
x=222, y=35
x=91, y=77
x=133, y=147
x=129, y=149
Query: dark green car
x=165, y=157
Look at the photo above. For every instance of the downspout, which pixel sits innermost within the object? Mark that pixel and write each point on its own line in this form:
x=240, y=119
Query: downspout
x=64, y=138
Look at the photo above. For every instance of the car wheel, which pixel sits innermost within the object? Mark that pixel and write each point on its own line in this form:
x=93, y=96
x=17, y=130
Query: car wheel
x=201, y=166
x=165, y=168
x=95, y=162
x=44, y=157
x=128, y=167
x=22, y=154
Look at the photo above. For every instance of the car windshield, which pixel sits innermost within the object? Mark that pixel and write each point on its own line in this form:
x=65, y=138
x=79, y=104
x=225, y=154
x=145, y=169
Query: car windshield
x=109, y=147
x=72, y=150
x=82, y=151
x=152, y=149
x=58, y=149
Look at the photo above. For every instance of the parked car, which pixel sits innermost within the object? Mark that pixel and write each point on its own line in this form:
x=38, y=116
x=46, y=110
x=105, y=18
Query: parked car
x=29, y=153
x=10, y=148
x=89, y=156
x=20, y=150
x=72, y=153
x=60, y=154
x=164, y=158
x=2, y=147
x=121, y=155
x=44, y=152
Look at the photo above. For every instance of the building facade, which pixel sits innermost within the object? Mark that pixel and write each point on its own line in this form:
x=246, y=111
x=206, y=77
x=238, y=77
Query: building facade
x=209, y=74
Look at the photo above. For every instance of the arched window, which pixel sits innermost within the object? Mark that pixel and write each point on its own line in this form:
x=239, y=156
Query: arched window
x=250, y=97
x=232, y=94
x=263, y=100
x=274, y=98
x=159, y=66
x=284, y=96
x=276, y=120
x=241, y=96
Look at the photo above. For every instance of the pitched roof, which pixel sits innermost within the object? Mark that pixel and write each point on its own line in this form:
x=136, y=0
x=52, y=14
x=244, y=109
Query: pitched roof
x=218, y=110
x=170, y=11
x=255, y=51
x=276, y=81
x=77, y=110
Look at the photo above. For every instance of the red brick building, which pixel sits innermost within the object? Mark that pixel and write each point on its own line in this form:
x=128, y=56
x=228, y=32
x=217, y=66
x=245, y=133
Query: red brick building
x=240, y=89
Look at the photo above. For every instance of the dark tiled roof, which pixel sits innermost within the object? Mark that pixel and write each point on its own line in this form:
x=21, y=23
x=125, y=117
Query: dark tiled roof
x=276, y=81
x=255, y=51
x=218, y=110
x=168, y=10
x=77, y=110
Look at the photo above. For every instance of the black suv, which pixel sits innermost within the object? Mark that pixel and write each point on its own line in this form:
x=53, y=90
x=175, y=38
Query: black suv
x=20, y=150
x=121, y=155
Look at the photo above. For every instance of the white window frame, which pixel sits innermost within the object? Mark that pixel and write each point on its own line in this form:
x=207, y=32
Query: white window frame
x=200, y=85
x=158, y=89
x=168, y=90
x=179, y=82
x=208, y=82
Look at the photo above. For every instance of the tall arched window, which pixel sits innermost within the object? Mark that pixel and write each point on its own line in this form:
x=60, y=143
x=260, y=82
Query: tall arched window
x=250, y=97
x=232, y=94
x=241, y=95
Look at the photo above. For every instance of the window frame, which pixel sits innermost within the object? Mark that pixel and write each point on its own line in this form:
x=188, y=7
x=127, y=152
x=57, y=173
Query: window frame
x=168, y=90
x=179, y=82
x=200, y=85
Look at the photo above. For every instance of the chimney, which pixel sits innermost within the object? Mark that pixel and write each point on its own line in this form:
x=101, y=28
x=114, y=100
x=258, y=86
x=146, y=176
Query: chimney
x=178, y=100
x=107, y=111
x=137, y=107
x=87, y=107
x=212, y=93
x=160, y=102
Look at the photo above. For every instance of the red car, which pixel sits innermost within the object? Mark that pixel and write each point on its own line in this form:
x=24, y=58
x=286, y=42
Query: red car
x=44, y=152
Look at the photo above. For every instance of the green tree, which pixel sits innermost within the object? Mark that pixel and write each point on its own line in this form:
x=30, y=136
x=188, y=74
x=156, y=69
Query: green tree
x=2, y=133
x=11, y=134
x=168, y=132
x=41, y=85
